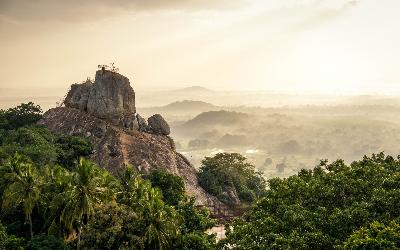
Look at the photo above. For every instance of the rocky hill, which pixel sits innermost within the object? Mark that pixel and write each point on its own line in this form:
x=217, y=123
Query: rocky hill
x=104, y=112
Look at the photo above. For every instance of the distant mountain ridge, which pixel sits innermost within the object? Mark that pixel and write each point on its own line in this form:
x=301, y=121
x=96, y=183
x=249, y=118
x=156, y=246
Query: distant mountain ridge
x=193, y=89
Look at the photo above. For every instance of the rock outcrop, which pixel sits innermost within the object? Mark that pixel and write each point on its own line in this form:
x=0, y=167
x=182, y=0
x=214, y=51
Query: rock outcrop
x=104, y=112
x=109, y=97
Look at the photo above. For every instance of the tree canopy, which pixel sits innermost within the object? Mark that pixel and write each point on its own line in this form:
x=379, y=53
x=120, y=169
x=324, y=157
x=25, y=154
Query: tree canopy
x=324, y=208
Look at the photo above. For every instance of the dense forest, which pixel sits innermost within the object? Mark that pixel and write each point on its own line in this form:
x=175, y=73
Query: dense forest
x=53, y=197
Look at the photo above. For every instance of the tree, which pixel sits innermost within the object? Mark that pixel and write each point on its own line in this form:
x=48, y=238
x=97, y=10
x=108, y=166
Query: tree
x=158, y=222
x=58, y=182
x=86, y=190
x=113, y=226
x=36, y=142
x=71, y=148
x=171, y=186
x=24, y=188
x=227, y=175
x=196, y=221
x=22, y=115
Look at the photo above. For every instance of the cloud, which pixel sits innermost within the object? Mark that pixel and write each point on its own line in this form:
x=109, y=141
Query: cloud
x=76, y=10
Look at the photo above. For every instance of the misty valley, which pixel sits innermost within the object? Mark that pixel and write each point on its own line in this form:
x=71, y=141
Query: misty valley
x=280, y=141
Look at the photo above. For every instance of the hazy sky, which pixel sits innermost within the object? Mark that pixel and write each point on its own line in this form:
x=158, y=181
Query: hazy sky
x=331, y=46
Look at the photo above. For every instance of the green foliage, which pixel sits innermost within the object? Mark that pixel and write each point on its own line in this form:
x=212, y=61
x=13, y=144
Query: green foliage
x=19, y=133
x=10, y=242
x=226, y=173
x=86, y=190
x=195, y=241
x=43, y=147
x=375, y=236
x=46, y=242
x=321, y=208
x=171, y=186
x=34, y=142
x=113, y=226
x=195, y=219
x=23, y=115
x=23, y=187
x=195, y=223
x=71, y=148
x=138, y=220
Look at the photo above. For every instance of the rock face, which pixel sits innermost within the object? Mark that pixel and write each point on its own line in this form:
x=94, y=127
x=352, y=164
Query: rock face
x=103, y=111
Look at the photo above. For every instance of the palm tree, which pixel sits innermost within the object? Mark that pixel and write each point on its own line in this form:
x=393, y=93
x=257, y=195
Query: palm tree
x=86, y=190
x=58, y=181
x=23, y=188
x=159, y=221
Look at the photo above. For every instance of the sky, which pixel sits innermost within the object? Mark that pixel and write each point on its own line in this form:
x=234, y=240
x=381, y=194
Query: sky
x=300, y=46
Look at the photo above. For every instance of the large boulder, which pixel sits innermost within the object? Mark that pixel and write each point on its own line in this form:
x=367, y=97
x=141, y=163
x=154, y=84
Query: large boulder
x=109, y=97
x=158, y=125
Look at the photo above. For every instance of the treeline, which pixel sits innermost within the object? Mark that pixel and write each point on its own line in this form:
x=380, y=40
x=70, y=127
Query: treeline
x=333, y=206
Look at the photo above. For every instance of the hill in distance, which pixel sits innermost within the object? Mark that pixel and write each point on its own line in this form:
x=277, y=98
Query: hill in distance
x=213, y=118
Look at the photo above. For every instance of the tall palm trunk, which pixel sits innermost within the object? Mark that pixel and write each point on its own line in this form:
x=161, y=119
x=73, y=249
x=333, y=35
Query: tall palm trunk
x=79, y=235
x=30, y=225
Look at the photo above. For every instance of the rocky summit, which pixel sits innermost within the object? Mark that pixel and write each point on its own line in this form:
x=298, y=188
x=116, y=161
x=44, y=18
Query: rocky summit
x=104, y=112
